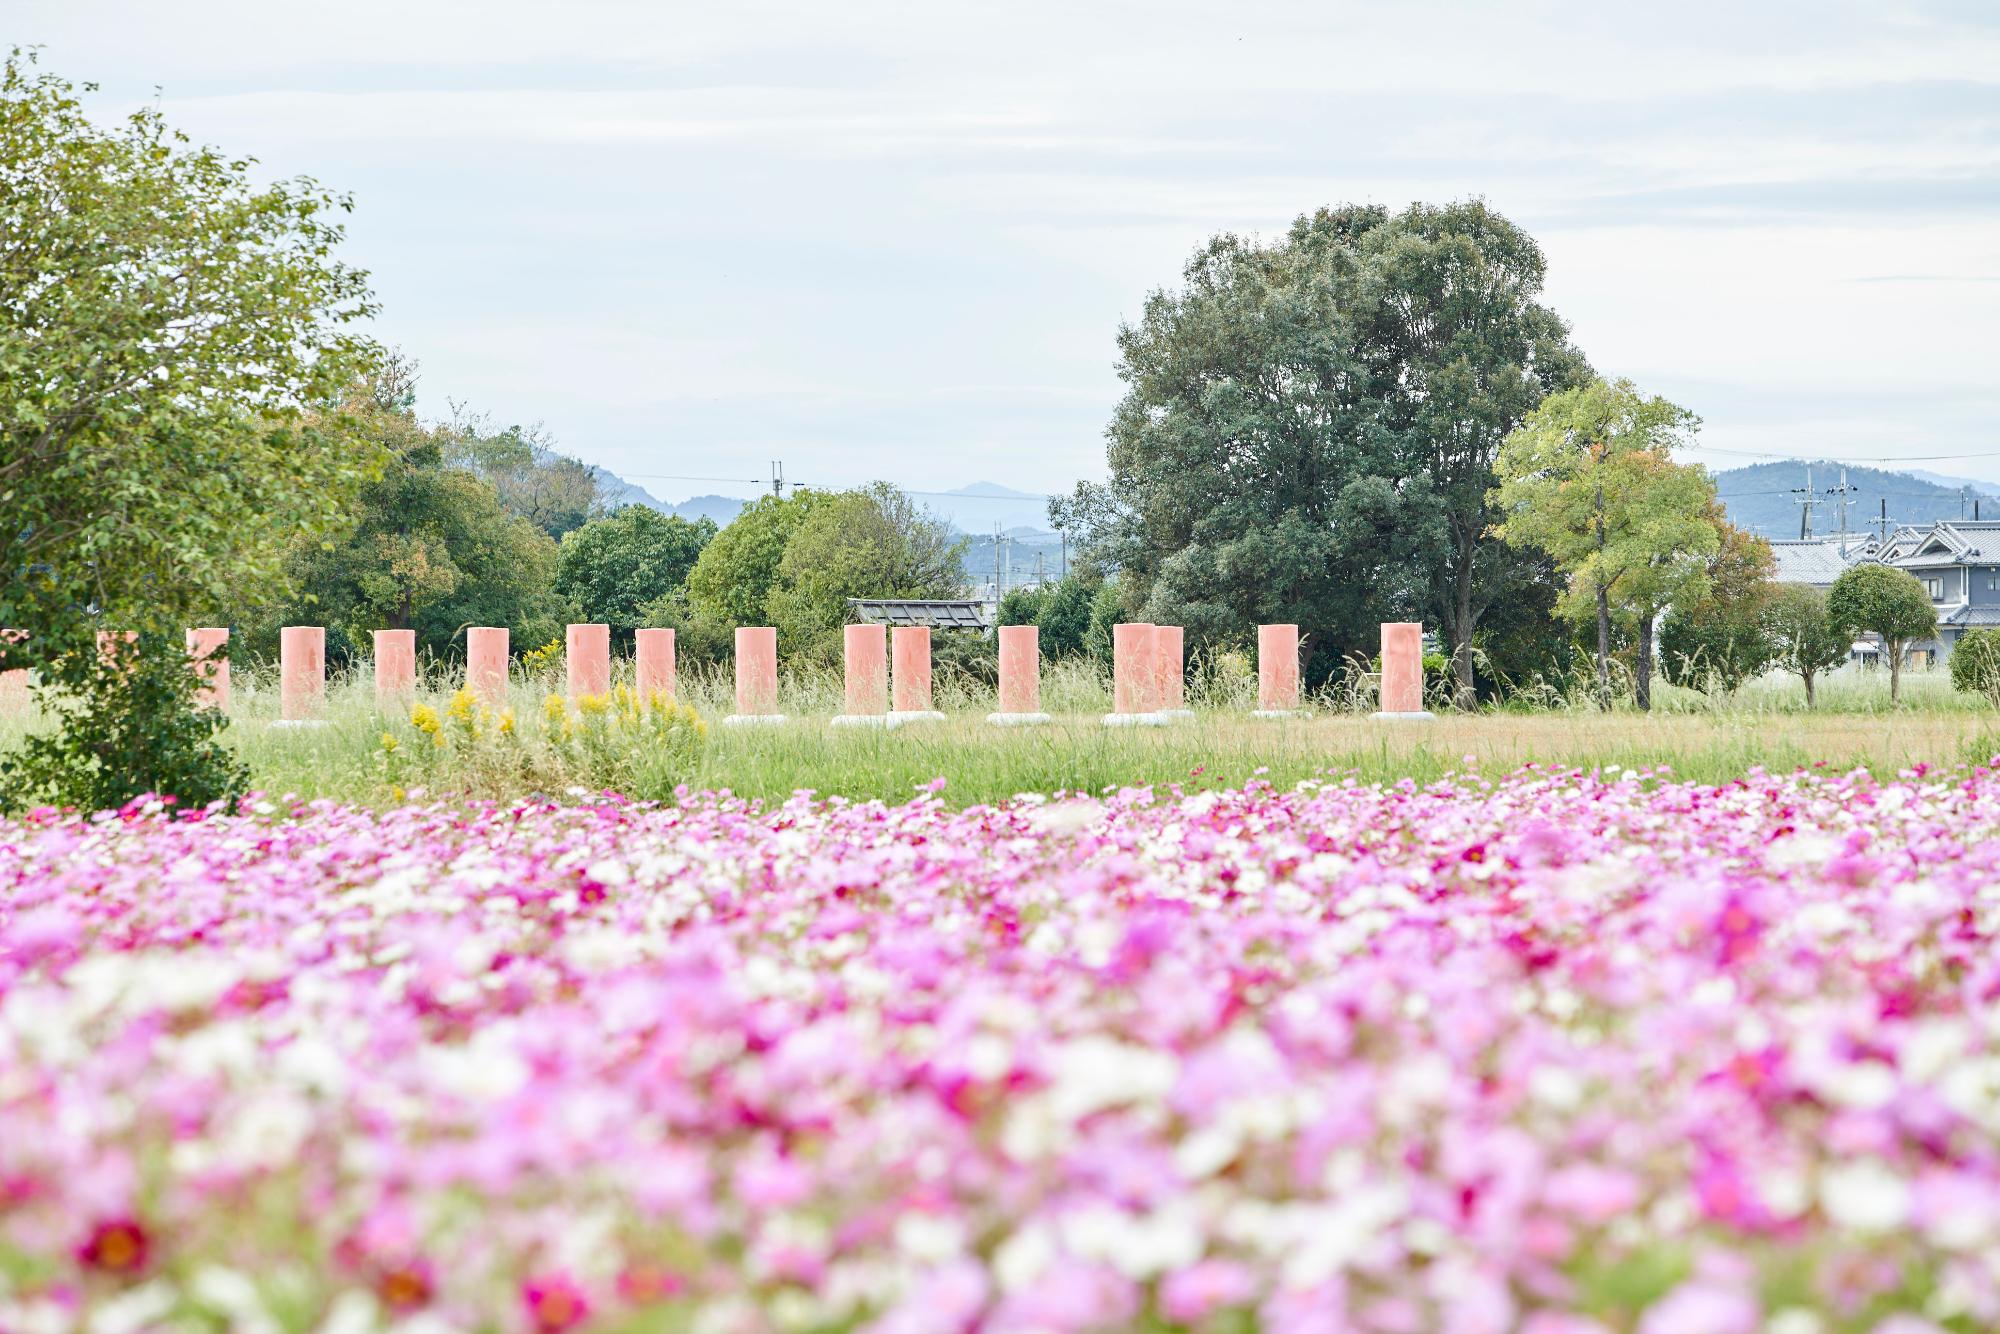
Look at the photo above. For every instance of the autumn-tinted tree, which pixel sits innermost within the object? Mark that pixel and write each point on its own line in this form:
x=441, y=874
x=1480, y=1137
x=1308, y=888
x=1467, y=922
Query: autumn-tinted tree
x=1723, y=638
x=1589, y=479
x=172, y=329
x=1890, y=604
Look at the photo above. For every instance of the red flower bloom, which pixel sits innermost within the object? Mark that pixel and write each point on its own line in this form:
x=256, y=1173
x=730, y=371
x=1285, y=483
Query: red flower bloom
x=118, y=1246
x=555, y=1303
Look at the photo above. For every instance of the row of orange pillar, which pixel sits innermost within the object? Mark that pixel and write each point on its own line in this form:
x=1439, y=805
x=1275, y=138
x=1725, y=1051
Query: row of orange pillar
x=1148, y=670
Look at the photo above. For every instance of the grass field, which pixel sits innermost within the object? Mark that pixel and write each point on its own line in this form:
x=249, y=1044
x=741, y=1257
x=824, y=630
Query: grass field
x=1696, y=737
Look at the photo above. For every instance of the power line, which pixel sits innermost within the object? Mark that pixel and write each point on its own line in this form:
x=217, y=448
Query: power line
x=1873, y=460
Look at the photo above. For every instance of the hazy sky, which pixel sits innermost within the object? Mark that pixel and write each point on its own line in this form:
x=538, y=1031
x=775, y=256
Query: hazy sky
x=885, y=240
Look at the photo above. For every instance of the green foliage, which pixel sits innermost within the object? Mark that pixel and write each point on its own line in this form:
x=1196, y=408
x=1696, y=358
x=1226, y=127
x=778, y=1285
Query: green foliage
x=556, y=493
x=1309, y=428
x=1107, y=609
x=1724, y=638
x=1804, y=639
x=131, y=729
x=1021, y=606
x=613, y=569
x=793, y=563
x=1063, y=620
x=429, y=547
x=732, y=581
x=1975, y=664
x=1589, y=480
x=1888, y=602
x=872, y=542
x=172, y=334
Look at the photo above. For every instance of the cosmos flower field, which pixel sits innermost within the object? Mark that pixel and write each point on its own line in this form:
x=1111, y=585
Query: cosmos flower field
x=1555, y=1053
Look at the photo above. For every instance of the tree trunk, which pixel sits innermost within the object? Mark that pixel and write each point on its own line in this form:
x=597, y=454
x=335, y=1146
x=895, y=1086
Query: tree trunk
x=1461, y=628
x=1809, y=688
x=1894, y=648
x=1643, y=677
x=1603, y=648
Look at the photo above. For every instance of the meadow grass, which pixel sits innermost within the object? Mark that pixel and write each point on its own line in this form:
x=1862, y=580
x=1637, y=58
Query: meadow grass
x=1695, y=736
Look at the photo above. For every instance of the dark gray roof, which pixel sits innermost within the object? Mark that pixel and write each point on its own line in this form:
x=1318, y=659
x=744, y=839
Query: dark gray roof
x=1817, y=560
x=943, y=613
x=1967, y=615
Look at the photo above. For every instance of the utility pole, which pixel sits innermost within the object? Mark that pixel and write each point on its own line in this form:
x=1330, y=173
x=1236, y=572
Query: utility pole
x=1041, y=575
x=1843, y=491
x=777, y=479
x=1883, y=522
x=1806, y=502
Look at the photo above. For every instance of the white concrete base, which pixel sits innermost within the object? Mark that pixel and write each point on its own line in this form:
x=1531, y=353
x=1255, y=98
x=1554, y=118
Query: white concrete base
x=1275, y=713
x=1136, y=720
x=753, y=719
x=905, y=718
x=298, y=724
x=1421, y=716
x=1018, y=719
x=1176, y=715
x=861, y=720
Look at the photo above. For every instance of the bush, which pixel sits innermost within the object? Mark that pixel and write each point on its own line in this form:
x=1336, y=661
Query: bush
x=1975, y=664
x=1064, y=618
x=125, y=727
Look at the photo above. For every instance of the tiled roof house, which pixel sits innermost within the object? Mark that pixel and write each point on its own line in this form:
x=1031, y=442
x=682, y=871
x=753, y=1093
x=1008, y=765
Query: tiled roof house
x=1958, y=563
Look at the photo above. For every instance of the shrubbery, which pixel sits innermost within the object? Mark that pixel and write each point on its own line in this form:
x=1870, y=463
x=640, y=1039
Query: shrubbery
x=1975, y=664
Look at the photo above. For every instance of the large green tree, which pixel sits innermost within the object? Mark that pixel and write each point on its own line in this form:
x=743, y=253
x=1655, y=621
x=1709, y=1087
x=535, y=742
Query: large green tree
x=428, y=547
x=873, y=542
x=731, y=582
x=173, y=333
x=1589, y=479
x=1309, y=429
x=1888, y=602
x=612, y=568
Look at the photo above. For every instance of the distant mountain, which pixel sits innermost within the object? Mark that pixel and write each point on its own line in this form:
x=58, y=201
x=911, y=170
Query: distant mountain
x=1763, y=497
x=614, y=492
x=1983, y=488
x=973, y=509
x=722, y=509
x=976, y=508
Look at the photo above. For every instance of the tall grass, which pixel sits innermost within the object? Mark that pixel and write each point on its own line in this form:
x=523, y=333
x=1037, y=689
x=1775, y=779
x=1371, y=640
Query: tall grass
x=1712, y=738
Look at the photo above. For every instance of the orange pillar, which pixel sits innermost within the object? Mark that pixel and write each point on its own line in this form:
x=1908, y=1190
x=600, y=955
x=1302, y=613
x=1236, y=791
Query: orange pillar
x=588, y=657
x=301, y=672
x=910, y=676
x=1277, y=670
x=1020, y=677
x=108, y=642
x=1402, y=670
x=653, y=673
x=1170, y=672
x=756, y=676
x=14, y=681
x=486, y=664
x=1134, y=675
x=208, y=647
x=395, y=667
x=866, y=650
